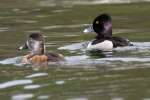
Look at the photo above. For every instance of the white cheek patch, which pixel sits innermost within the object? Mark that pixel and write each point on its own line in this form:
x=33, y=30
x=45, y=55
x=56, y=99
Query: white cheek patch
x=103, y=46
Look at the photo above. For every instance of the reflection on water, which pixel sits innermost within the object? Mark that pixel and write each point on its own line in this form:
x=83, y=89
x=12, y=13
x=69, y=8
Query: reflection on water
x=22, y=96
x=32, y=87
x=82, y=98
x=119, y=75
x=37, y=75
x=43, y=97
x=69, y=3
x=60, y=82
x=14, y=83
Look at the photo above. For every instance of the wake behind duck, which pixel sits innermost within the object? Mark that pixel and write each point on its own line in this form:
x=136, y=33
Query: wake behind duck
x=135, y=51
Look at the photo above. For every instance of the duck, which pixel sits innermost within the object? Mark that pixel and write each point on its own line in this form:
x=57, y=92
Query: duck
x=37, y=53
x=104, y=41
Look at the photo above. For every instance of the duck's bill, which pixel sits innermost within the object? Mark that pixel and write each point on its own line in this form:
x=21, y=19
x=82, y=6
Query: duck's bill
x=23, y=47
x=88, y=29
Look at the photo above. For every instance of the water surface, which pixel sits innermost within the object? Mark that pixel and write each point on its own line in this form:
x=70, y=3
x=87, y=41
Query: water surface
x=119, y=75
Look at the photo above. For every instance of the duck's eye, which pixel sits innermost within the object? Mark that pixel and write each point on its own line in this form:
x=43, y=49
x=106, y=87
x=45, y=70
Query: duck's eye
x=97, y=22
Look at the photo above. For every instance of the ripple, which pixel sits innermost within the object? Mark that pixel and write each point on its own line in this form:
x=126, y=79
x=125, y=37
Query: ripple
x=22, y=96
x=140, y=46
x=29, y=87
x=43, y=97
x=26, y=21
x=60, y=11
x=71, y=3
x=80, y=98
x=117, y=98
x=64, y=26
x=117, y=31
x=86, y=62
x=101, y=2
x=14, y=61
x=37, y=75
x=75, y=46
x=33, y=31
x=126, y=59
x=32, y=87
x=16, y=9
x=3, y=29
x=60, y=82
x=14, y=83
x=146, y=99
x=41, y=16
x=76, y=58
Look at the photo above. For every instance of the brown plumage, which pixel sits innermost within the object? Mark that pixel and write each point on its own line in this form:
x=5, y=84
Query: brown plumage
x=37, y=55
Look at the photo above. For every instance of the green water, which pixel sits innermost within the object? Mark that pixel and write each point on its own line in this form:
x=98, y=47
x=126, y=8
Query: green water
x=62, y=23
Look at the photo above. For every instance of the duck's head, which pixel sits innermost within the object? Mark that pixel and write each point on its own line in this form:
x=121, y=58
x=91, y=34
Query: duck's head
x=102, y=26
x=35, y=43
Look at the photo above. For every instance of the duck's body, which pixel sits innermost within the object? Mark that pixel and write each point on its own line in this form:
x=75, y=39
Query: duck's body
x=104, y=40
x=120, y=42
x=108, y=44
x=43, y=58
x=38, y=55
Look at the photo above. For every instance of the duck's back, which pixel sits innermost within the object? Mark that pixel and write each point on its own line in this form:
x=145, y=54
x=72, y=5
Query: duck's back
x=120, y=42
x=55, y=57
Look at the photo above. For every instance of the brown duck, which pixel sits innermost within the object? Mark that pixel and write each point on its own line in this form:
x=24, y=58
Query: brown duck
x=38, y=55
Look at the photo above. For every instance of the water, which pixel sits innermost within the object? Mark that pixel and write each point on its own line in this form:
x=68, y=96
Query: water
x=119, y=75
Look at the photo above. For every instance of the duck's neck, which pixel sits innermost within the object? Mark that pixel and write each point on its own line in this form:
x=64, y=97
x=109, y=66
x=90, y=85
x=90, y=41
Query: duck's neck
x=38, y=48
x=101, y=37
x=42, y=49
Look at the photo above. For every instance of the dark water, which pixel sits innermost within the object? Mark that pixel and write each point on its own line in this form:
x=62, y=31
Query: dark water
x=123, y=75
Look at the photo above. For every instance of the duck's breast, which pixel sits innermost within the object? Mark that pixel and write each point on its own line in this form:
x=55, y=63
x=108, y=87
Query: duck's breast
x=103, y=46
